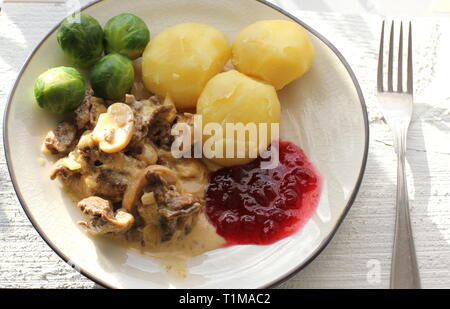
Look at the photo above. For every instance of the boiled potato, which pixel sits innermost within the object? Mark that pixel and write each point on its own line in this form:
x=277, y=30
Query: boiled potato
x=275, y=51
x=182, y=59
x=233, y=97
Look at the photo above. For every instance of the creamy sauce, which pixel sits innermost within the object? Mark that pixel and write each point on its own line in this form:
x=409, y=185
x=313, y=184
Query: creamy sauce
x=173, y=255
x=202, y=238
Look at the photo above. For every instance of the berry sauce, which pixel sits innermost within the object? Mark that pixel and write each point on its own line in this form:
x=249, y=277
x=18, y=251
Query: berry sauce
x=250, y=205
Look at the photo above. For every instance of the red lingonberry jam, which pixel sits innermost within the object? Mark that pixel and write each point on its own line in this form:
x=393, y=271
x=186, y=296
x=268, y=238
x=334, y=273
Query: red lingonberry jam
x=250, y=205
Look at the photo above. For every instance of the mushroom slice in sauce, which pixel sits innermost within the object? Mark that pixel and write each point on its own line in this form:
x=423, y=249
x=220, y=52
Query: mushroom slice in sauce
x=102, y=218
x=114, y=128
x=135, y=187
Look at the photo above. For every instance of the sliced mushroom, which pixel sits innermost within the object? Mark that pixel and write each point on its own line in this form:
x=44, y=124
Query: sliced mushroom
x=165, y=173
x=149, y=155
x=193, y=175
x=102, y=219
x=114, y=128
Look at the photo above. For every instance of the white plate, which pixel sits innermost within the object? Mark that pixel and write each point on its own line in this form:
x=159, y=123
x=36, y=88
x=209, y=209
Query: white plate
x=324, y=113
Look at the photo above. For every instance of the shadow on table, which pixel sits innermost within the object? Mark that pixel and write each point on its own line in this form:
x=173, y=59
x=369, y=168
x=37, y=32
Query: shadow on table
x=4, y=221
x=431, y=234
x=6, y=192
x=374, y=221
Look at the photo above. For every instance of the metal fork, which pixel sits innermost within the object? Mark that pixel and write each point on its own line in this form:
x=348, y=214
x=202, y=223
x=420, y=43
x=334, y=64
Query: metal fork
x=396, y=106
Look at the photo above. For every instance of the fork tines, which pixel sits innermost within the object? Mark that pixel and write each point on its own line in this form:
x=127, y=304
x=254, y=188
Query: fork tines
x=390, y=84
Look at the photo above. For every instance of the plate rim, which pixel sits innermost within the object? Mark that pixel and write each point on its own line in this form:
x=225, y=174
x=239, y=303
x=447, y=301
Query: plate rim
x=284, y=277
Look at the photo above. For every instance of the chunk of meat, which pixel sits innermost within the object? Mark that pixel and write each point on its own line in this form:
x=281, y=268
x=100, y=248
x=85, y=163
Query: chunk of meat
x=61, y=139
x=160, y=125
x=142, y=115
x=102, y=218
x=180, y=205
x=176, y=211
x=62, y=171
x=140, y=130
x=110, y=184
x=86, y=115
x=94, y=172
x=153, y=120
x=135, y=188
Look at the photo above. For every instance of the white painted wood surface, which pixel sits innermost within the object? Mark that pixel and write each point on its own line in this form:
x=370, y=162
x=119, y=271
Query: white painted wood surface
x=359, y=255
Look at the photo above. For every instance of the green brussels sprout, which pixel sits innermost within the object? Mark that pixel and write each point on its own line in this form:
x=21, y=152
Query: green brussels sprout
x=81, y=39
x=112, y=77
x=60, y=90
x=126, y=34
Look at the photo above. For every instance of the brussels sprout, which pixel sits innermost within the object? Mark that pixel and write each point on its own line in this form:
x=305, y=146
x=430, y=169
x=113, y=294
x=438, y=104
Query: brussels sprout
x=126, y=34
x=81, y=39
x=112, y=77
x=60, y=90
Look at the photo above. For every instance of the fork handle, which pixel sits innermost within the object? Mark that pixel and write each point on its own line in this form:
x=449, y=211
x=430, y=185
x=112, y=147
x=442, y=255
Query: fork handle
x=404, y=269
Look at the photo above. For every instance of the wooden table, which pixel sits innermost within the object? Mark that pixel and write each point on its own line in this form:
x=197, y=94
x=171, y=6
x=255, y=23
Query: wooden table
x=359, y=255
